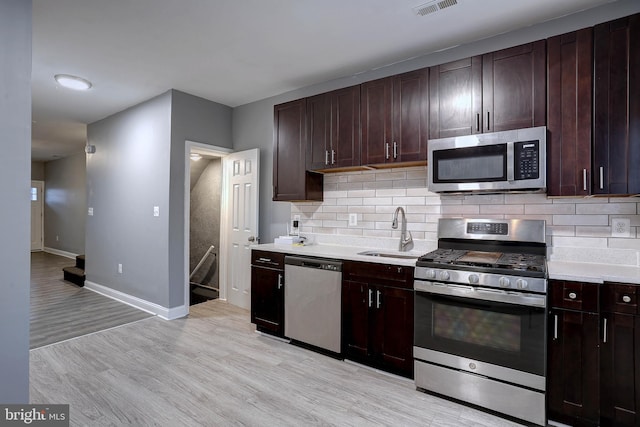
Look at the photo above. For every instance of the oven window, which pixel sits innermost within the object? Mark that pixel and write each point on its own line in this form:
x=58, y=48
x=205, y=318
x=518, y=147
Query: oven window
x=472, y=164
x=485, y=328
x=503, y=334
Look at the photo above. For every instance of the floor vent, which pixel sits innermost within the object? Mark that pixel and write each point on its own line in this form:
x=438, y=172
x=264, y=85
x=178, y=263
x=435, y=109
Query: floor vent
x=433, y=6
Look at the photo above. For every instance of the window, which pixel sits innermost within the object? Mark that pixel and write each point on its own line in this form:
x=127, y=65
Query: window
x=34, y=194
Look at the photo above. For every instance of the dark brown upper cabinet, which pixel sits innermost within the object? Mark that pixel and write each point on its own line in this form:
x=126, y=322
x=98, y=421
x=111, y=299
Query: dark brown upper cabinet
x=616, y=120
x=394, y=119
x=498, y=91
x=333, y=125
x=569, y=104
x=291, y=180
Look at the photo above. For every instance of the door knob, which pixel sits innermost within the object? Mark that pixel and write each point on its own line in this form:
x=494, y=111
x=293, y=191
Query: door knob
x=254, y=239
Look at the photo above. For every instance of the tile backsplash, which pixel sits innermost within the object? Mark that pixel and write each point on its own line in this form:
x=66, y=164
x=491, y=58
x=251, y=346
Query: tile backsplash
x=578, y=229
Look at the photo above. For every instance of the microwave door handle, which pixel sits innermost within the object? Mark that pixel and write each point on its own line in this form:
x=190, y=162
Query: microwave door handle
x=510, y=162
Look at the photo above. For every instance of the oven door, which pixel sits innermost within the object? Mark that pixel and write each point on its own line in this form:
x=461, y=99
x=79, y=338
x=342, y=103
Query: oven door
x=501, y=328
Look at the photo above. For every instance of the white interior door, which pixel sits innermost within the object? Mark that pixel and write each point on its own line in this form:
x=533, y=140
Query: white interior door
x=240, y=231
x=37, y=218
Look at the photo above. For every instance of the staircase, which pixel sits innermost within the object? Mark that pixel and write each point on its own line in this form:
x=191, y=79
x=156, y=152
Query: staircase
x=75, y=274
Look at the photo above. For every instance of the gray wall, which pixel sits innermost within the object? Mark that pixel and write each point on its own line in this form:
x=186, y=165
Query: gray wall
x=126, y=177
x=37, y=171
x=253, y=123
x=15, y=210
x=140, y=163
x=65, y=203
x=204, y=221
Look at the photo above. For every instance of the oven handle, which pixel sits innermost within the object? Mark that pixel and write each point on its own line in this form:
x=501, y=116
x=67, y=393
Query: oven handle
x=480, y=294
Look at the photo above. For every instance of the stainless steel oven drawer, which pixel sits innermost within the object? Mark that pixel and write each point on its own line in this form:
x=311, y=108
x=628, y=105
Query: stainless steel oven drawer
x=508, y=399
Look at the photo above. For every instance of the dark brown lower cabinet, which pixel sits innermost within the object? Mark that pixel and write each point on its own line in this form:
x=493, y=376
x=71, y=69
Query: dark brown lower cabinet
x=620, y=356
x=267, y=292
x=594, y=354
x=377, y=316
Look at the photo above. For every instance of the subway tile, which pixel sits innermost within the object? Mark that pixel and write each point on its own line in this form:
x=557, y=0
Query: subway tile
x=386, y=176
x=361, y=193
x=547, y=218
x=561, y=230
x=355, y=201
x=419, y=192
x=521, y=199
x=350, y=231
x=623, y=200
x=593, y=231
x=391, y=192
x=348, y=186
x=606, y=208
x=404, y=201
x=537, y=209
x=324, y=215
x=502, y=209
x=386, y=209
x=334, y=224
x=333, y=178
x=461, y=209
x=335, y=208
x=426, y=209
x=330, y=186
x=410, y=183
x=451, y=199
x=321, y=230
x=376, y=185
x=622, y=243
x=377, y=233
x=580, y=220
x=362, y=209
x=377, y=217
x=418, y=173
x=376, y=201
x=484, y=199
x=359, y=177
x=578, y=200
x=335, y=194
x=330, y=201
x=579, y=242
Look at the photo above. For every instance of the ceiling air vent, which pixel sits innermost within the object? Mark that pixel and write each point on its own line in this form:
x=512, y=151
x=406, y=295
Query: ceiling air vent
x=433, y=6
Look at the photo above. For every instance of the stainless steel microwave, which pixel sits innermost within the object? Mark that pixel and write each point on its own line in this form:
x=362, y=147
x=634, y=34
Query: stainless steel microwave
x=497, y=162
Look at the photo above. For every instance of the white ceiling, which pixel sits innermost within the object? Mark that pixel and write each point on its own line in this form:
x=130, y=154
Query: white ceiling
x=234, y=51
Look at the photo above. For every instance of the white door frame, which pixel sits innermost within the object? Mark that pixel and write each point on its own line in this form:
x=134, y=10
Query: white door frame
x=222, y=250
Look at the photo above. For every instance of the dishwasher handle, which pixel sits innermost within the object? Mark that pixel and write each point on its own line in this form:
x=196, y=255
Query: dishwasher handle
x=315, y=263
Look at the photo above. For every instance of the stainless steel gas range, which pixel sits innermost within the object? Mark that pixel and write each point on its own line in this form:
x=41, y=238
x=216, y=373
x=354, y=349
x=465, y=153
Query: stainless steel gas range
x=480, y=315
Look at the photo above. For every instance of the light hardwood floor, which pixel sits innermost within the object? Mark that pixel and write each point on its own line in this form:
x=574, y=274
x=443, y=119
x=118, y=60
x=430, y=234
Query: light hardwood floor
x=213, y=369
x=61, y=310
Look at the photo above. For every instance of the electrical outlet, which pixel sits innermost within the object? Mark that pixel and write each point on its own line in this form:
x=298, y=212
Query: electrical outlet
x=120, y=268
x=156, y=211
x=353, y=219
x=620, y=227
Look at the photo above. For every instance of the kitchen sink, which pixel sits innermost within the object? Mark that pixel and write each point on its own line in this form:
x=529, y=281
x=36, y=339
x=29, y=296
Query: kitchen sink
x=388, y=255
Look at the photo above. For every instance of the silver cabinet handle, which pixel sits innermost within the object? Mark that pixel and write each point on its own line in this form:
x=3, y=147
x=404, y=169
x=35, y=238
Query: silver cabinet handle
x=601, y=177
x=395, y=150
x=572, y=295
x=386, y=150
x=626, y=298
x=326, y=157
x=378, y=299
x=478, y=122
x=488, y=121
x=370, y=297
x=555, y=326
x=280, y=281
x=333, y=157
x=604, y=331
x=584, y=179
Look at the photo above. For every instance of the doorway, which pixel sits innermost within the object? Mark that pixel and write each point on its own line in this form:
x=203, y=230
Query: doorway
x=37, y=215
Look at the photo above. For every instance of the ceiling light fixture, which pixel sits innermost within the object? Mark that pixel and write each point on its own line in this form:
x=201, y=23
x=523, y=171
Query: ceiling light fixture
x=72, y=82
x=195, y=156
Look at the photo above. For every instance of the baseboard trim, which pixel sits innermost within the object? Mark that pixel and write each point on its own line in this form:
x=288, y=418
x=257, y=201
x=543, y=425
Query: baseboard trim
x=144, y=305
x=60, y=253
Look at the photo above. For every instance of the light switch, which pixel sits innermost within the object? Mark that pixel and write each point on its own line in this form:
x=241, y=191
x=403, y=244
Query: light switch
x=353, y=219
x=90, y=211
x=156, y=211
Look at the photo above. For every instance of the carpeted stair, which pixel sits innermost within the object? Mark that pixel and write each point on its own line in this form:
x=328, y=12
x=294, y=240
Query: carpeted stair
x=75, y=274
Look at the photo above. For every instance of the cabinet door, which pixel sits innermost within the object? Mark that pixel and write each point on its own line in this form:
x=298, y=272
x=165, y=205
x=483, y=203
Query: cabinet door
x=355, y=319
x=375, y=122
x=569, y=75
x=267, y=299
x=617, y=107
x=514, y=87
x=345, y=127
x=620, y=360
x=410, y=116
x=455, y=93
x=572, y=368
x=392, y=329
x=318, y=131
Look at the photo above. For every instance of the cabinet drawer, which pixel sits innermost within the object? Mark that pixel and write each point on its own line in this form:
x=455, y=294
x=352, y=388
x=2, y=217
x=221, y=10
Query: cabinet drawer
x=393, y=275
x=268, y=259
x=574, y=295
x=620, y=298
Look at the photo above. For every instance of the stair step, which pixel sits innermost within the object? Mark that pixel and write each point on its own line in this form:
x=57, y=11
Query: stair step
x=80, y=261
x=74, y=275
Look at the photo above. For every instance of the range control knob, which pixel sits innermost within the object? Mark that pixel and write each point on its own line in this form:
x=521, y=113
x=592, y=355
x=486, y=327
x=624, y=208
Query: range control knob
x=522, y=284
x=474, y=278
x=431, y=274
x=504, y=282
x=444, y=275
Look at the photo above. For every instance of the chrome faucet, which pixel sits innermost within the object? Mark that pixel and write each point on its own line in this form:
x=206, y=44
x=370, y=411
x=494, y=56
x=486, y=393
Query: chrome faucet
x=406, y=241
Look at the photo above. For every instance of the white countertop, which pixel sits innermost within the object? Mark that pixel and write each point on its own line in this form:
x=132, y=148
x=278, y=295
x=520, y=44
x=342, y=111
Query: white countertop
x=558, y=270
x=342, y=252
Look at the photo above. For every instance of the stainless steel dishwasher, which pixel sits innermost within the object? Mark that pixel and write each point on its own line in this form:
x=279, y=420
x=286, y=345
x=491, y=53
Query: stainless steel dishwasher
x=313, y=301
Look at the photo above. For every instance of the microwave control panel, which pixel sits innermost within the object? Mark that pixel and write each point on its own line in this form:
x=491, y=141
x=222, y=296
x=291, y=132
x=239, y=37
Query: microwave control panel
x=527, y=160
